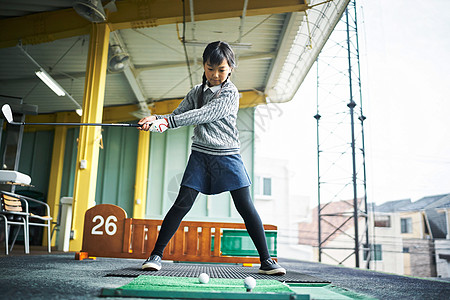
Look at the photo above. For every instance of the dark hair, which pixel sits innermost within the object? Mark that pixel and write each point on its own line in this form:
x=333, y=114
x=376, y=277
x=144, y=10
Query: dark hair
x=215, y=53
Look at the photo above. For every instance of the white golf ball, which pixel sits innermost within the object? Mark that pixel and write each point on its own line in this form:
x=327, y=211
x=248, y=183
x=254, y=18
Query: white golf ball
x=203, y=278
x=249, y=283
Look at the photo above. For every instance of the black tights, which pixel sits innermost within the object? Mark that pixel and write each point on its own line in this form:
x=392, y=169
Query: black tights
x=244, y=205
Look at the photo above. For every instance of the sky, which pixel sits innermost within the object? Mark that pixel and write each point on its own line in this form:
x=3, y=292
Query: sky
x=405, y=76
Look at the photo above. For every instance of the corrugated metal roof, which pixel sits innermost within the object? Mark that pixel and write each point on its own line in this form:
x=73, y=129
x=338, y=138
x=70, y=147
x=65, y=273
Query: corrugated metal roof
x=158, y=57
x=392, y=206
x=429, y=202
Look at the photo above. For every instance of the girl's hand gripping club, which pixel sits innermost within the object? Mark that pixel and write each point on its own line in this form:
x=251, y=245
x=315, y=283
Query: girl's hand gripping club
x=153, y=124
x=159, y=125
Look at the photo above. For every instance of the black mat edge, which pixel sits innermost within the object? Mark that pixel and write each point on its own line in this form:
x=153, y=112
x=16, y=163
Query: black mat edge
x=233, y=272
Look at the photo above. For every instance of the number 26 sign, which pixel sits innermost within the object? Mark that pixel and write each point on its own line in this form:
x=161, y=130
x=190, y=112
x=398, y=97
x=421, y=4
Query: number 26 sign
x=110, y=227
x=103, y=229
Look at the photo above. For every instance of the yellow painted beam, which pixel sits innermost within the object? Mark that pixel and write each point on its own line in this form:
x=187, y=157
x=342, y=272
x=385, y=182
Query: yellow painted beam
x=42, y=27
x=252, y=99
x=140, y=186
x=115, y=114
x=49, y=118
x=141, y=14
x=112, y=114
x=88, y=142
x=50, y=26
x=56, y=169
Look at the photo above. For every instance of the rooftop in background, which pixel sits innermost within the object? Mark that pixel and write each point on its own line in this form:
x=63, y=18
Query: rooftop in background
x=429, y=202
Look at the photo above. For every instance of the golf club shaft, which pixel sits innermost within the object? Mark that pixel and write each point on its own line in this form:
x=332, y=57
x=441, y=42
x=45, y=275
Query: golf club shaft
x=79, y=124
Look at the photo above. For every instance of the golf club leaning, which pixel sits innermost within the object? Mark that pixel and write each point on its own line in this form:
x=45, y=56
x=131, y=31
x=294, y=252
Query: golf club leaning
x=7, y=113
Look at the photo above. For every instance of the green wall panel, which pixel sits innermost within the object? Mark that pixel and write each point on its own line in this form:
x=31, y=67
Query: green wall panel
x=35, y=160
x=116, y=167
x=70, y=158
x=155, y=177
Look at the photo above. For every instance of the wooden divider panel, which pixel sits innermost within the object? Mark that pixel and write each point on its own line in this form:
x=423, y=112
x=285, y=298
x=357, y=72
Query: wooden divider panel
x=103, y=230
x=108, y=233
x=205, y=241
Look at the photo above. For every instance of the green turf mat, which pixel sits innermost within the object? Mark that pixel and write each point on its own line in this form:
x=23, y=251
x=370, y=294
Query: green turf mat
x=155, y=283
x=191, y=288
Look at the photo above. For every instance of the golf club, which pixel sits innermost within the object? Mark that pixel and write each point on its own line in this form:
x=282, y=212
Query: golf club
x=7, y=113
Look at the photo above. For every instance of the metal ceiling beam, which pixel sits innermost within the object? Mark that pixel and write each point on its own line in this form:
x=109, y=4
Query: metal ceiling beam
x=65, y=93
x=137, y=69
x=49, y=26
x=151, y=67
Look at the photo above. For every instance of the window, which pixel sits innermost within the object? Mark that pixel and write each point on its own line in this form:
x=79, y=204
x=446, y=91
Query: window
x=382, y=221
x=406, y=224
x=376, y=252
x=405, y=249
x=267, y=186
x=263, y=186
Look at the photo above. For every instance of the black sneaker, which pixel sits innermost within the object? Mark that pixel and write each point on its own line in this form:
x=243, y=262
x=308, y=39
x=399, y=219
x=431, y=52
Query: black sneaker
x=270, y=267
x=153, y=263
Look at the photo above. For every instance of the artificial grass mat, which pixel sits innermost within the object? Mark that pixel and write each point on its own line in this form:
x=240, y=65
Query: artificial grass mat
x=157, y=283
x=191, y=288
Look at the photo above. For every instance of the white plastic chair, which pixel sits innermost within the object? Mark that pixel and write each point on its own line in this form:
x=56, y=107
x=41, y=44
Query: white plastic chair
x=12, y=213
x=21, y=210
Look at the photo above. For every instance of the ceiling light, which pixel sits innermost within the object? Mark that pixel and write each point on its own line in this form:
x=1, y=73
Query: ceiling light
x=47, y=79
x=50, y=82
x=91, y=10
x=204, y=44
x=118, y=60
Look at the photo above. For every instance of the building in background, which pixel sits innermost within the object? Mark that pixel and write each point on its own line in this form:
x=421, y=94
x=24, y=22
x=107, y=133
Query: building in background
x=337, y=232
x=278, y=206
x=408, y=238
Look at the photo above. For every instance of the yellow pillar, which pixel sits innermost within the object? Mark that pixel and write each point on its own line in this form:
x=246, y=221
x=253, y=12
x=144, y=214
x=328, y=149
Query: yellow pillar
x=140, y=189
x=88, y=141
x=56, y=171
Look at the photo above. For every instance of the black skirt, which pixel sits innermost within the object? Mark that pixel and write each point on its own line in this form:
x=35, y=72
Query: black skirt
x=214, y=174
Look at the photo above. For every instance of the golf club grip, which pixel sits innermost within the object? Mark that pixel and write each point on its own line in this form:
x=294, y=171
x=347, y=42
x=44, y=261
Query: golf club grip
x=120, y=125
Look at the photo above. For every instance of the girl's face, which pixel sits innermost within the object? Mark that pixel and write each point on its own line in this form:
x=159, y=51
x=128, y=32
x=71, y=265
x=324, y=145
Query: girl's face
x=217, y=74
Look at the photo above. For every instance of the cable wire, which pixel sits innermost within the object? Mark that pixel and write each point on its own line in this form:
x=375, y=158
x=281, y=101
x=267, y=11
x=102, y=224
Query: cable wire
x=184, y=45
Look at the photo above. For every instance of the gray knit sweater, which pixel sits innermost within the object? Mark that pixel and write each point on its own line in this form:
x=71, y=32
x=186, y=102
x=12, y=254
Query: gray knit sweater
x=215, y=131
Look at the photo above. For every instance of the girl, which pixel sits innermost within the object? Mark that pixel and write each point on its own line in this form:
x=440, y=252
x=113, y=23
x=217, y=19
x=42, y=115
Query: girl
x=215, y=165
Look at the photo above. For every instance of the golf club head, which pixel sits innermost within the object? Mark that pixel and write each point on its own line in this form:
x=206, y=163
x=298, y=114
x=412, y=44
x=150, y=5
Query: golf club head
x=7, y=113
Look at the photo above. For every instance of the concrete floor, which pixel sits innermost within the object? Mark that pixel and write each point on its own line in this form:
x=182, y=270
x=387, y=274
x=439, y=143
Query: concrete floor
x=40, y=275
